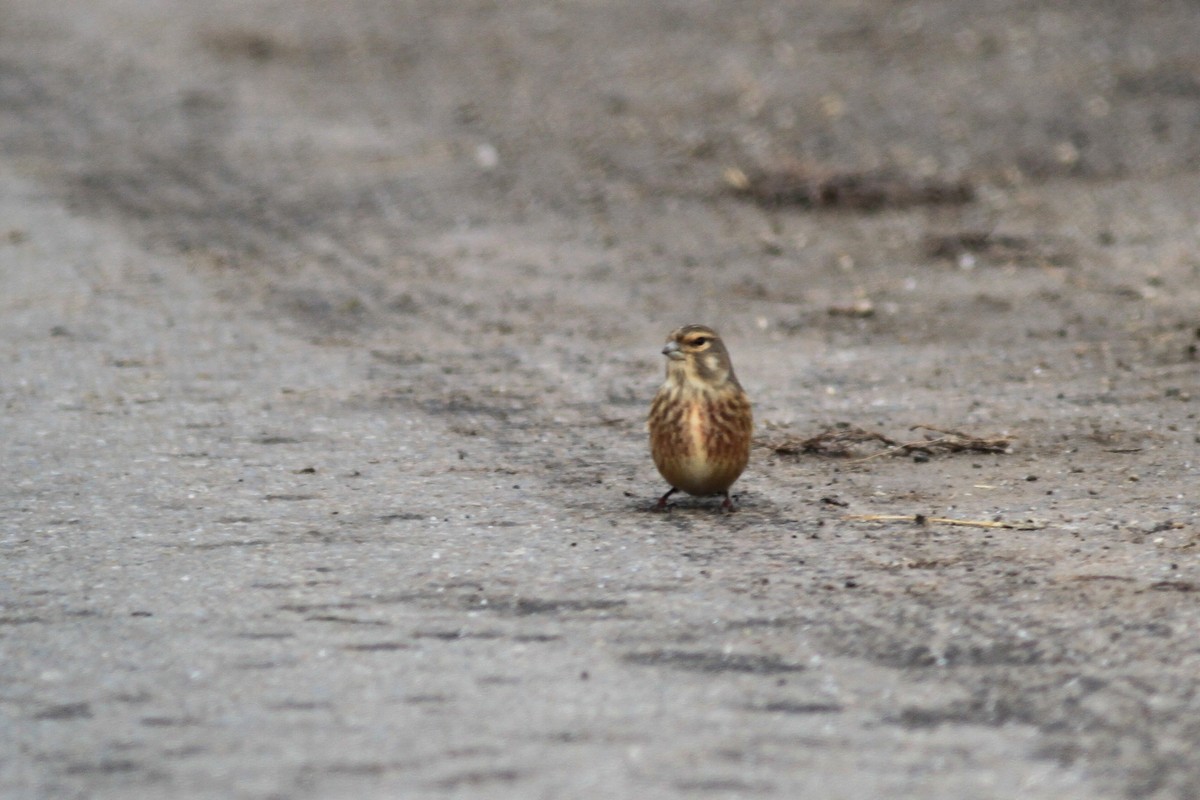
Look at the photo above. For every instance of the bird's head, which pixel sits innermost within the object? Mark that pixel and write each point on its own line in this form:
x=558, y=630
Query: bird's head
x=697, y=357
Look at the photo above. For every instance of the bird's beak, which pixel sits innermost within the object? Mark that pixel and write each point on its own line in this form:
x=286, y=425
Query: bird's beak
x=671, y=350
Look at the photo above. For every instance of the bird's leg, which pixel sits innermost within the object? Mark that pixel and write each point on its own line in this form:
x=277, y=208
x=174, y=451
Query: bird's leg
x=662, y=501
x=728, y=503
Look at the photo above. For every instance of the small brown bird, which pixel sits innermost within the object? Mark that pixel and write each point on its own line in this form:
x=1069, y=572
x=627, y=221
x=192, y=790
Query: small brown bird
x=700, y=421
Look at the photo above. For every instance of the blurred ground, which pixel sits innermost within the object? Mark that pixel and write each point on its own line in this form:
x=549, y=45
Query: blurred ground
x=328, y=333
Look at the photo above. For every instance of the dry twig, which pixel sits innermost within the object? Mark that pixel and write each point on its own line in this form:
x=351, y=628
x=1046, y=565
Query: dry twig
x=796, y=185
x=921, y=519
x=836, y=442
x=840, y=442
x=950, y=442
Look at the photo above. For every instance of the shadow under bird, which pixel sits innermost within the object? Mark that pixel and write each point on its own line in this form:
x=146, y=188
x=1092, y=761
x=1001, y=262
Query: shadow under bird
x=700, y=421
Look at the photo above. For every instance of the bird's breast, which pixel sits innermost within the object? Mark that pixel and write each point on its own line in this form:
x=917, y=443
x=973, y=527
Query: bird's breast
x=700, y=440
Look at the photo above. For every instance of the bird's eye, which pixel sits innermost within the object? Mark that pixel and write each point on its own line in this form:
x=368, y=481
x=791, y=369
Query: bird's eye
x=699, y=341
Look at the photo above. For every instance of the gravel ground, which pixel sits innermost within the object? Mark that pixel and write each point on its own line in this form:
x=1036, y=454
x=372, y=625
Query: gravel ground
x=327, y=339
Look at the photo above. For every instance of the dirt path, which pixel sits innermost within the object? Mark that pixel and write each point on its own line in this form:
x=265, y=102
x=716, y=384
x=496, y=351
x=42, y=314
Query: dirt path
x=327, y=343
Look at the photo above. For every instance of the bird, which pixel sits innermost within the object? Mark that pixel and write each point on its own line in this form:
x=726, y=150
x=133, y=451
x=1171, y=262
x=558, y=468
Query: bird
x=700, y=421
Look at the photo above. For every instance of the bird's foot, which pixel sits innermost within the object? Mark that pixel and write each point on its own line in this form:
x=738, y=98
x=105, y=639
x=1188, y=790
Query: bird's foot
x=661, y=505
